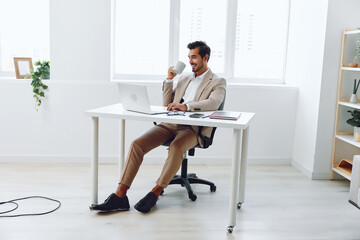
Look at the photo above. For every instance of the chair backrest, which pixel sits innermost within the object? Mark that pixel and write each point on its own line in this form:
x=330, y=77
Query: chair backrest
x=208, y=141
x=221, y=107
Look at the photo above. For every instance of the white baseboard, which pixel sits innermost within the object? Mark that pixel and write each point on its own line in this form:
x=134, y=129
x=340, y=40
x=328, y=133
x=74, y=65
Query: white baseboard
x=303, y=170
x=49, y=158
x=225, y=160
x=321, y=175
x=147, y=160
x=161, y=160
x=310, y=174
x=269, y=161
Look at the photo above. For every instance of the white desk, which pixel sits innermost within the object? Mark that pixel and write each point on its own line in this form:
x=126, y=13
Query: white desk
x=240, y=145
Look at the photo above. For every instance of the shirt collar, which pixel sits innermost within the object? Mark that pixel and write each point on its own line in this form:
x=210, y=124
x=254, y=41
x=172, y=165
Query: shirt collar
x=199, y=77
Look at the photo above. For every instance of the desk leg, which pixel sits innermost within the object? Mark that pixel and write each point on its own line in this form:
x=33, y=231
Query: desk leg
x=243, y=163
x=95, y=159
x=234, y=177
x=122, y=146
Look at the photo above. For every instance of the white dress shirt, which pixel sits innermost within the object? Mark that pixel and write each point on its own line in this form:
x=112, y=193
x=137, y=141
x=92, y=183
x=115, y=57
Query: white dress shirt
x=191, y=88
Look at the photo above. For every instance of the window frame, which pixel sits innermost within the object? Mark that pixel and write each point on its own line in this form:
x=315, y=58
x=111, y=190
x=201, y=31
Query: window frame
x=174, y=38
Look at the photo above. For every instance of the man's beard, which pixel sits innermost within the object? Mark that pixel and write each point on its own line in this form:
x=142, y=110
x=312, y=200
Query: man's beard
x=195, y=68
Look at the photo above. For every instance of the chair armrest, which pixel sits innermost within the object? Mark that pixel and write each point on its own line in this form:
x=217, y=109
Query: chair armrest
x=207, y=141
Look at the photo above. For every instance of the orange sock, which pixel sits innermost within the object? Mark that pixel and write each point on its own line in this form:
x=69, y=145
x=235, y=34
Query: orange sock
x=157, y=190
x=121, y=190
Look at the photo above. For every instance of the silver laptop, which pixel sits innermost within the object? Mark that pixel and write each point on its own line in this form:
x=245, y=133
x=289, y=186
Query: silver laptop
x=135, y=98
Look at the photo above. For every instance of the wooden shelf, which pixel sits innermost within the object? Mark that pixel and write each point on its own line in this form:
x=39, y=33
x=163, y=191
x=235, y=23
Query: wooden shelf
x=349, y=139
x=342, y=173
x=357, y=69
x=348, y=147
x=348, y=104
x=344, y=168
x=353, y=31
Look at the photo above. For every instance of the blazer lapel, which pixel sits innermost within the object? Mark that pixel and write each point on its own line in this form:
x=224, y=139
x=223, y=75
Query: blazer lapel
x=206, y=81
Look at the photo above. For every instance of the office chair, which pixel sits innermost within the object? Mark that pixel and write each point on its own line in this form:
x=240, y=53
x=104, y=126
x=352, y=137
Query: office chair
x=185, y=179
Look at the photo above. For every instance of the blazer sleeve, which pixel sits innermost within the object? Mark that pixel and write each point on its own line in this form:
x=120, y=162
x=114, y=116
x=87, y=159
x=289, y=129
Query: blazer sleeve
x=212, y=97
x=171, y=94
x=167, y=93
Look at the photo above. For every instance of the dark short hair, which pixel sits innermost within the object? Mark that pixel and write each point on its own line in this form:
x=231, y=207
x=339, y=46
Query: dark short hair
x=203, y=48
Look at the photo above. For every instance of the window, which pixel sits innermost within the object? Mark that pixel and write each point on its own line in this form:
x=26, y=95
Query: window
x=142, y=37
x=248, y=43
x=204, y=20
x=261, y=36
x=24, y=32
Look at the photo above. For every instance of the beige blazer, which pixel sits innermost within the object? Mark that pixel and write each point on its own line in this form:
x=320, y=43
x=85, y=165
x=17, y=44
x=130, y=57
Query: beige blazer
x=208, y=96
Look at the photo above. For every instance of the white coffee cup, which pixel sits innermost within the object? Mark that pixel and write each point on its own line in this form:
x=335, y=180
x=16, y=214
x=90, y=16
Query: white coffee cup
x=179, y=67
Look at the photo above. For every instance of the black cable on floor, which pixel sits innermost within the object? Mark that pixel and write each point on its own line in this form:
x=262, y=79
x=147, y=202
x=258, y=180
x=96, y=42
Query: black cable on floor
x=27, y=214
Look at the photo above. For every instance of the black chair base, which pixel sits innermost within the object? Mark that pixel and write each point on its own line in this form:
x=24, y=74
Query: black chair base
x=185, y=180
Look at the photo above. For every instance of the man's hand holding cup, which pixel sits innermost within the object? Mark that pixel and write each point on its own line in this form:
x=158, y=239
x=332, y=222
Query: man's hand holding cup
x=175, y=70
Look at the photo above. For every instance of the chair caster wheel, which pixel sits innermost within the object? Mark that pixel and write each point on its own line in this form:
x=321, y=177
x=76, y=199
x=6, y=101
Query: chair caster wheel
x=238, y=205
x=193, y=197
x=230, y=229
x=212, y=188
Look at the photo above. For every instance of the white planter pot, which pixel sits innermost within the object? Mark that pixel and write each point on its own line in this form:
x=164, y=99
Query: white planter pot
x=357, y=134
x=353, y=98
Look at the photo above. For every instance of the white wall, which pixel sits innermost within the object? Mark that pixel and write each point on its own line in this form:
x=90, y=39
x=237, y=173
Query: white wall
x=60, y=131
x=313, y=65
x=80, y=80
x=341, y=15
x=304, y=69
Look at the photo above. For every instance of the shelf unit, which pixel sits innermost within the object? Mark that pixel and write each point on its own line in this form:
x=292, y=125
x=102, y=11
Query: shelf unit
x=344, y=146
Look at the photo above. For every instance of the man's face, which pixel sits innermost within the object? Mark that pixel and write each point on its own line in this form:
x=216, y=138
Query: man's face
x=196, y=62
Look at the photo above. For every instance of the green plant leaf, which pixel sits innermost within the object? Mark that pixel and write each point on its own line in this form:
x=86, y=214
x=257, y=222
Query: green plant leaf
x=41, y=71
x=355, y=120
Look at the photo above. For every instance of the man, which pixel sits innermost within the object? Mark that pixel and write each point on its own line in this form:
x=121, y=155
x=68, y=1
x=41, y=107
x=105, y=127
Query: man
x=200, y=91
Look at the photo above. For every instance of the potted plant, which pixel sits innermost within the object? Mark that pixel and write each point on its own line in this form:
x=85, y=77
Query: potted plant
x=41, y=71
x=355, y=122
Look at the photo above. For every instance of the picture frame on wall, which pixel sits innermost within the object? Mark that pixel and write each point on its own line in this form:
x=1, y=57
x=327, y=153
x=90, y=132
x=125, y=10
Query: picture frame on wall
x=23, y=66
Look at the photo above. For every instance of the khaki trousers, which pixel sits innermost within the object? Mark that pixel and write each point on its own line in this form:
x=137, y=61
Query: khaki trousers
x=183, y=138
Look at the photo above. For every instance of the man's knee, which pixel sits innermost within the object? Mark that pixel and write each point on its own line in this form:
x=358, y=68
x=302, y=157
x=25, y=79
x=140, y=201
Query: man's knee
x=137, y=144
x=177, y=146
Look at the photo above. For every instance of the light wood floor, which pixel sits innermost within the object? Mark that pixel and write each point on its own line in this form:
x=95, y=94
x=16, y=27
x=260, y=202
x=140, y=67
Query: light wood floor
x=281, y=203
